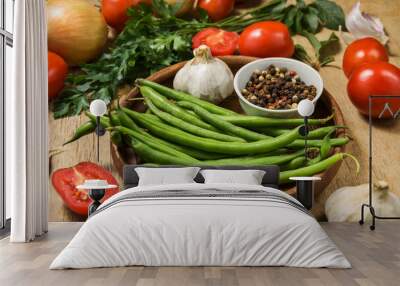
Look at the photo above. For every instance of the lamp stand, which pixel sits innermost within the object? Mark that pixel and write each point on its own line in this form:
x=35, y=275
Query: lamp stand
x=303, y=131
x=100, y=131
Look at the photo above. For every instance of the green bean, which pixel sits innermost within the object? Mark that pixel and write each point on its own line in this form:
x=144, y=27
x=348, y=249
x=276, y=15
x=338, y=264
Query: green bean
x=313, y=134
x=255, y=161
x=85, y=129
x=258, y=121
x=222, y=124
x=315, y=168
x=171, y=108
x=234, y=148
x=148, y=154
x=104, y=120
x=196, y=130
x=116, y=138
x=326, y=147
x=299, y=143
x=154, y=144
x=125, y=120
x=114, y=120
x=294, y=164
x=179, y=95
x=198, y=154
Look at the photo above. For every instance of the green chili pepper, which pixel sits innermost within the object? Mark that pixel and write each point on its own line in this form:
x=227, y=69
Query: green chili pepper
x=85, y=129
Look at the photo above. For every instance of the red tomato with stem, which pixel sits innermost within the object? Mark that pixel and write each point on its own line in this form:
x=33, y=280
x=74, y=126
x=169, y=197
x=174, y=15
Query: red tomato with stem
x=114, y=11
x=221, y=42
x=376, y=78
x=57, y=72
x=266, y=39
x=217, y=9
x=363, y=51
x=65, y=181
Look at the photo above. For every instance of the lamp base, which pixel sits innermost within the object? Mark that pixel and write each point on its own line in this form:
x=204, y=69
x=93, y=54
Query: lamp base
x=96, y=195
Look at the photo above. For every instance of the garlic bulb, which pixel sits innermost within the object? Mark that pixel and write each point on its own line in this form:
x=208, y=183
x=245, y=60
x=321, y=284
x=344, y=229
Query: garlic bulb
x=205, y=77
x=361, y=25
x=344, y=205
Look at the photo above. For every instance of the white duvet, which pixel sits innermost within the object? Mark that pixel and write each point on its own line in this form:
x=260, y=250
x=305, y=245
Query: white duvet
x=200, y=231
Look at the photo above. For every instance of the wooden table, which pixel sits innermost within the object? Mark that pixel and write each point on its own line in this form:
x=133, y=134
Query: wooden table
x=386, y=134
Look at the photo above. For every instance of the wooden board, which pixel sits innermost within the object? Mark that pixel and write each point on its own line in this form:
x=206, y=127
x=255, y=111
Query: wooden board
x=387, y=135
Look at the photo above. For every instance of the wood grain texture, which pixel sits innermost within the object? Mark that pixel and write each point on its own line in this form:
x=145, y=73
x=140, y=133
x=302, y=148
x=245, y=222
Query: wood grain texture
x=387, y=135
x=375, y=258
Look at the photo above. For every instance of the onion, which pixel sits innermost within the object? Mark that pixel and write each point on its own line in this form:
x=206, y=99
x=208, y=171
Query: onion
x=77, y=30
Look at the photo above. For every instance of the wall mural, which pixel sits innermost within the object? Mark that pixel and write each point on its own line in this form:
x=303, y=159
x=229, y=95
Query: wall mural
x=224, y=106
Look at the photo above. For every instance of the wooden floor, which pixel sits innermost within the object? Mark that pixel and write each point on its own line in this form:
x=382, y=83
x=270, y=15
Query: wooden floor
x=375, y=257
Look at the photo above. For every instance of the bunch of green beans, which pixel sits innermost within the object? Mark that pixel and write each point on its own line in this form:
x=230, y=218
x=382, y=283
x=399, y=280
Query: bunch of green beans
x=179, y=129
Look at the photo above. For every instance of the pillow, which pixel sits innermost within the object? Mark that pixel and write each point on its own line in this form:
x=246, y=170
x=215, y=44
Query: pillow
x=247, y=177
x=166, y=176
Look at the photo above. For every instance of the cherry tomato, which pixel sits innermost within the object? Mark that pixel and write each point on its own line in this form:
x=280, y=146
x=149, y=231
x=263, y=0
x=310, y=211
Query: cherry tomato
x=266, y=39
x=57, y=72
x=362, y=51
x=65, y=181
x=114, y=11
x=217, y=9
x=221, y=43
x=376, y=78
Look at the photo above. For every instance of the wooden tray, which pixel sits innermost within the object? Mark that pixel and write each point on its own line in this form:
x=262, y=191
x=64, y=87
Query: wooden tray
x=325, y=106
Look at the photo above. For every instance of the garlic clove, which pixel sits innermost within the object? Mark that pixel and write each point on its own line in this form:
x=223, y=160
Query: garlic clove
x=361, y=25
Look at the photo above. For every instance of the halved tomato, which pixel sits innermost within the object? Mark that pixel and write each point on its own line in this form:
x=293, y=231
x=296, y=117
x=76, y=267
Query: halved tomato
x=65, y=181
x=221, y=42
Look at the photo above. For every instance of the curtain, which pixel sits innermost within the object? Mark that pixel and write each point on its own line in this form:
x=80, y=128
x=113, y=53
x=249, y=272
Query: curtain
x=26, y=124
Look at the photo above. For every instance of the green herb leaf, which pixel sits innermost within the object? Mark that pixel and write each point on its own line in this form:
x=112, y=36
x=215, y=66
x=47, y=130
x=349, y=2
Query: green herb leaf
x=331, y=15
x=311, y=22
x=320, y=47
x=290, y=18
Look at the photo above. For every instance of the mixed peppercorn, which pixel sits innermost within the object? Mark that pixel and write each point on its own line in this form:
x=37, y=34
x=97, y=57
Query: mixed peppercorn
x=277, y=88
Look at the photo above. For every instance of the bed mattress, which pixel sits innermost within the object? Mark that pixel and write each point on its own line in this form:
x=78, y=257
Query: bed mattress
x=201, y=225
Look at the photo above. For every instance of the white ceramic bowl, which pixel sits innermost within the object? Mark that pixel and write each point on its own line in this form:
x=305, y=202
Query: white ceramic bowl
x=307, y=74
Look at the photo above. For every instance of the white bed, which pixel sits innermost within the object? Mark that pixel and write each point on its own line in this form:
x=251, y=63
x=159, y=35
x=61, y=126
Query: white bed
x=236, y=229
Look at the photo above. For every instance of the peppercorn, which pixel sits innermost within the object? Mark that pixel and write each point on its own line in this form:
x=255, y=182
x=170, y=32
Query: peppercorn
x=277, y=88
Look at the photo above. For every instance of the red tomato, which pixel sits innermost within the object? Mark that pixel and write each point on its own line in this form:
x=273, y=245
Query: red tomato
x=57, y=71
x=217, y=9
x=362, y=51
x=65, y=181
x=266, y=39
x=376, y=78
x=114, y=11
x=221, y=43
